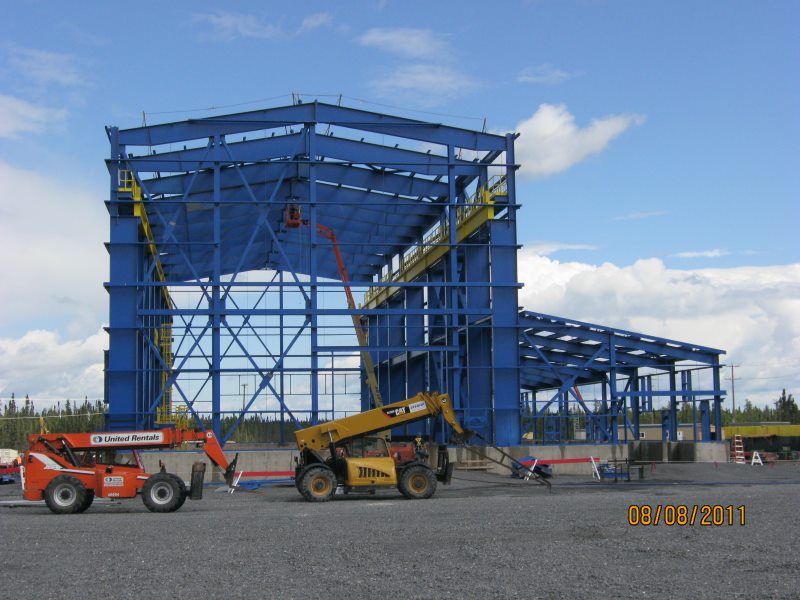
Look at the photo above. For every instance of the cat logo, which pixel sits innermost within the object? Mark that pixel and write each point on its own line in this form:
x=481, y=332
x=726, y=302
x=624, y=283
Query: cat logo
x=395, y=412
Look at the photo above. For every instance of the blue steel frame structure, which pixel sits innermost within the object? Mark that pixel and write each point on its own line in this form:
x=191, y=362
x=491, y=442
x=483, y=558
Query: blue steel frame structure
x=208, y=285
x=636, y=373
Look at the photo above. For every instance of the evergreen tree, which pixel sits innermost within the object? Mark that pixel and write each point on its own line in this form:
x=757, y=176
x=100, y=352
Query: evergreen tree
x=786, y=408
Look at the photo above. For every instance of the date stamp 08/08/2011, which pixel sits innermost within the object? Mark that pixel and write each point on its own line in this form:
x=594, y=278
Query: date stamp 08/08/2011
x=705, y=515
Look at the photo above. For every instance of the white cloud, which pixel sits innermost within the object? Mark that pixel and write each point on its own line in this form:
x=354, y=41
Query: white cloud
x=753, y=313
x=407, y=42
x=550, y=141
x=316, y=20
x=425, y=84
x=543, y=248
x=715, y=253
x=45, y=67
x=19, y=116
x=54, y=262
x=545, y=74
x=43, y=365
x=638, y=216
x=228, y=26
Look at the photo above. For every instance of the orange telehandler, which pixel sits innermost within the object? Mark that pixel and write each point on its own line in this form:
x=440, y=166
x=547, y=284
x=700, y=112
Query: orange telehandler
x=70, y=470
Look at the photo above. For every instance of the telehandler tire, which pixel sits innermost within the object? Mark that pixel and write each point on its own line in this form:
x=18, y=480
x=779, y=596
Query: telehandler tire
x=88, y=502
x=65, y=495
x=184, y=492
x=318, y=484
x=417, y=483
x=163, y=492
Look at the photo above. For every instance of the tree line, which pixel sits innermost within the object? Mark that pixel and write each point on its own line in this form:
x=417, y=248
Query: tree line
x=20, y=418
x=784, y=409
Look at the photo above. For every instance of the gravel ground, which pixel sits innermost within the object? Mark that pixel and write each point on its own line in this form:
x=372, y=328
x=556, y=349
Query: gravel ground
x=482, y=537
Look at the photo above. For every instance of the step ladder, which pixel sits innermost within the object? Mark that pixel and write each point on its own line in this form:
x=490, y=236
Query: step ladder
x=737, y=450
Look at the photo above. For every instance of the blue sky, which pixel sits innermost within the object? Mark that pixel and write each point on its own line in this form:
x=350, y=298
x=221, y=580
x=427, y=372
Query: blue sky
x=711, y=165
x=660, y=144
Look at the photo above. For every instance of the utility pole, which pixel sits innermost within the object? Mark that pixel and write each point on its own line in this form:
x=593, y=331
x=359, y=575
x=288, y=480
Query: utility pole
x=733, y=393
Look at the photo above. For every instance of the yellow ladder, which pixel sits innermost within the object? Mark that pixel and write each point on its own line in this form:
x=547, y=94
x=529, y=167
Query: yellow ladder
x=162, y=337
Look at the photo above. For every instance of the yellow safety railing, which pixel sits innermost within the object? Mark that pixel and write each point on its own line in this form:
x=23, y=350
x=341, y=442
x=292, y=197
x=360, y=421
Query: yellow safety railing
x=481, y=203
x=165, y=414
x=179, y=417
x=128, y=183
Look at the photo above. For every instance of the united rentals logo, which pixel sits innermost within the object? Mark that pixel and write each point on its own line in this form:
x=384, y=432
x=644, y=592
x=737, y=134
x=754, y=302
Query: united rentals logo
x=416, y=407
x=127, y=439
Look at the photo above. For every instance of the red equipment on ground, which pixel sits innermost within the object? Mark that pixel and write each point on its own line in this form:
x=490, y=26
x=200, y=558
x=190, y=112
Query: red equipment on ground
x=69, y=470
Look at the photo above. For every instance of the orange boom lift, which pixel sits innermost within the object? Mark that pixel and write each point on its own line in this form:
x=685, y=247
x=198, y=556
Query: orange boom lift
x=70, y=470
x=293, y=219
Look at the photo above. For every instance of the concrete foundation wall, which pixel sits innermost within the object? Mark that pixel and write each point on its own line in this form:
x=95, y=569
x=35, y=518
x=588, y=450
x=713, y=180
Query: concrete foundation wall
x=180, y=461
x=644, y=451
x=712, y=452
x=604, y=452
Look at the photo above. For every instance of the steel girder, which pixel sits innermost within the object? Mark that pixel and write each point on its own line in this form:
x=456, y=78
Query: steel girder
x=316, y=112
x=559, y=355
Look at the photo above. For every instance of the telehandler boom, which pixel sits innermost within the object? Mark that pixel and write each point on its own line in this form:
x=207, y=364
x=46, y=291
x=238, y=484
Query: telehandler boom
x=340, y=453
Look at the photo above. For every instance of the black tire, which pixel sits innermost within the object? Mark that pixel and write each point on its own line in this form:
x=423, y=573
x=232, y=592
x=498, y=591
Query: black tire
x=317, y=484
x=163, y=492
x=184, y=492
x=65, y=495
x=88, y=502
x=417, y=483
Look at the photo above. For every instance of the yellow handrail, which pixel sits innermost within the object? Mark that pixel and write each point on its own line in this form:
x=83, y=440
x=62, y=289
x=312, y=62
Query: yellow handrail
x=483, y=198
